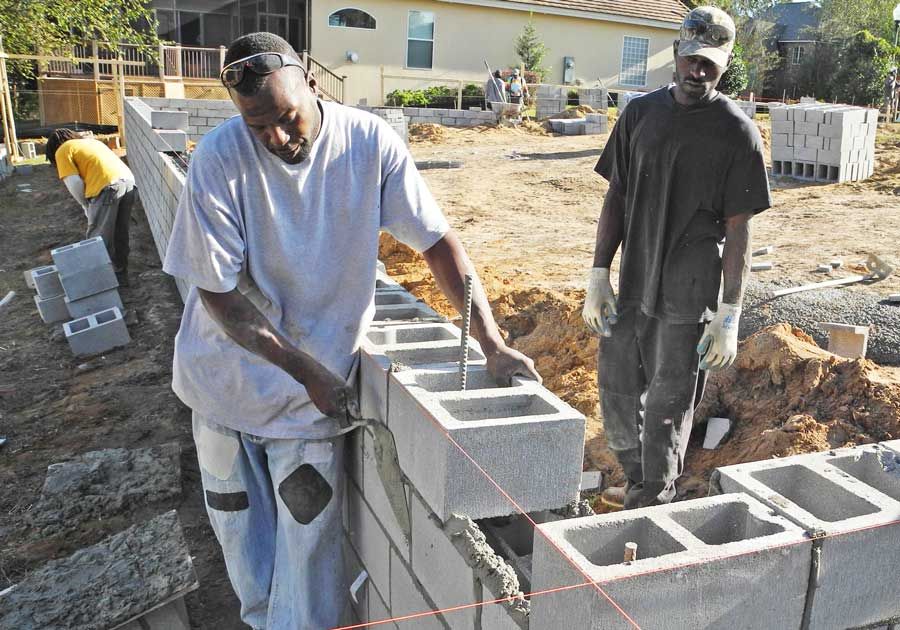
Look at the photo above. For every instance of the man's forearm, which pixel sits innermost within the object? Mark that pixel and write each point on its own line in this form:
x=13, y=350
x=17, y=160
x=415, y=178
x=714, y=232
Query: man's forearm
x=449, y=263
x=610, y=229
x=249, y=328
x=736, y=258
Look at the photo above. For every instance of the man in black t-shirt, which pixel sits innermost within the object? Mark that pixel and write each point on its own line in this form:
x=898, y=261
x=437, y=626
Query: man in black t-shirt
x=685, y=170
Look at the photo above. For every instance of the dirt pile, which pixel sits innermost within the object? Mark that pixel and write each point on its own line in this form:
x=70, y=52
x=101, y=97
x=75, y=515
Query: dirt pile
x=427, y=132
x=787, y=396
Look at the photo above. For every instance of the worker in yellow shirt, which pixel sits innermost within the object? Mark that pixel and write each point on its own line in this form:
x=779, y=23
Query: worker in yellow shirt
x=103, y=186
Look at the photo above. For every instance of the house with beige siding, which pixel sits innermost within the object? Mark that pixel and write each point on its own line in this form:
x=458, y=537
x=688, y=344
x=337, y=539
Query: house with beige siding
x=383, y=45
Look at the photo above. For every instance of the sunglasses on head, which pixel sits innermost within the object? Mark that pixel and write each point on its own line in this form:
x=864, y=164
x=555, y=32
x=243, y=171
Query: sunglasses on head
x=259, y=64
x=694, y=29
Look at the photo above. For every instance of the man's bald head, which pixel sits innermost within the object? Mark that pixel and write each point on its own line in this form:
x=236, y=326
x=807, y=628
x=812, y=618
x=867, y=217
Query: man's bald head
x=252, y=44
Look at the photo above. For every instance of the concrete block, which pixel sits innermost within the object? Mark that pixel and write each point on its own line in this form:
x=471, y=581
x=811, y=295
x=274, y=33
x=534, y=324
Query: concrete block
x=88, y=282
x=97, y=333
x=383, y=298
x=45, y=280
x=408, y=598
x=848, y=497
x=805, y=155
x=95, y=303
x=368, y=539
x=847, y=340
x=404, y=314
x=379, y=610
x=815, y=142
x=170, y=616
x=376, y=497
x=783, y=154
x=440, y=568
x=806, y=128
x=530, y=442
x=29, y=281
x=778, y=114
x=781, y=140
x=708, y=563
x=410, y=346
x=168, y=119
x=783, y=126
x=815, y=116
x=87, y=254
x=52, y=310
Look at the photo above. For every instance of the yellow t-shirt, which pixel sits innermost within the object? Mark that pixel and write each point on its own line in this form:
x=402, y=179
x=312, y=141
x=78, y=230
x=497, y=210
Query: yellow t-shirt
x=95, y=162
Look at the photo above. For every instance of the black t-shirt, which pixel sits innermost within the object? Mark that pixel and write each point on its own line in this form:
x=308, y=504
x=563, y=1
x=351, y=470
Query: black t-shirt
x=682, y=171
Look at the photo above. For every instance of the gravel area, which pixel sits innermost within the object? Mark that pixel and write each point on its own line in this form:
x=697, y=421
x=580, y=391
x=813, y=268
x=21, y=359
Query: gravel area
x=805, y=310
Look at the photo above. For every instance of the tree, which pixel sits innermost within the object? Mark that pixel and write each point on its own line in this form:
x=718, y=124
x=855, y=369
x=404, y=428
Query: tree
x=842, y=19
x=735, y=79
x=863, y=62
x=531, y=50
x=58, y=25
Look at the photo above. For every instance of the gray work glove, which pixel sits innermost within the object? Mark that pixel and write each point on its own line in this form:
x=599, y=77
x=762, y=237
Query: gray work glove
x=599, y=311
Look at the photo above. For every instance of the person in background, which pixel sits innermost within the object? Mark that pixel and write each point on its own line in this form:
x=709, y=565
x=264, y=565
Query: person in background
x=890, y=88
x=494, y=90
x=516, y=87
x=102, y=185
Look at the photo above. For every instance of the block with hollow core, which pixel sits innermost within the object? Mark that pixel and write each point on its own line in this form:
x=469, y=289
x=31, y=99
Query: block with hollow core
x=853, y=508
x=719, y=562
x=29, y=281
x=388, y=314
x=88, y=282
x=383, y=298
x=45, y=281
x=87, y=254
x=847, y=340
x=102, y=301
x=526, y=439
x=409, y=346
x=384, y=282
x=52, y=310
x=97, y=333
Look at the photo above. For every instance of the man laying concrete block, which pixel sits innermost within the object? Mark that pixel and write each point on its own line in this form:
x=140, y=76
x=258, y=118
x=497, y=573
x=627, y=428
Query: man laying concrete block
x=685, y=169
x=277, y=233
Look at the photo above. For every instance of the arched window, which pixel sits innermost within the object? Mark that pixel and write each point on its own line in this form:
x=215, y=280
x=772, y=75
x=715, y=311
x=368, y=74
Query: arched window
x=351, y=18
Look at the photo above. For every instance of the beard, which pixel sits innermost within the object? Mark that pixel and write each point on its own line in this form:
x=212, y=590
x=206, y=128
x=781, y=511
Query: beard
x=299, y=155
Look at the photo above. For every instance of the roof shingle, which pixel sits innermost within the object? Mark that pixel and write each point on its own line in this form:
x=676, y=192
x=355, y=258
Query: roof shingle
x=662, y=10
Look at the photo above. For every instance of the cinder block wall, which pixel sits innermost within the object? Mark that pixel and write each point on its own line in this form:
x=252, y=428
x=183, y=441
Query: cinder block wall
x=158, y=177
x=203, y=114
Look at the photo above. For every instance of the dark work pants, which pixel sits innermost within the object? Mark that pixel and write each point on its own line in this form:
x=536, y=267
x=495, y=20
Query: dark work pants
x=647, y=356
x=109, y=216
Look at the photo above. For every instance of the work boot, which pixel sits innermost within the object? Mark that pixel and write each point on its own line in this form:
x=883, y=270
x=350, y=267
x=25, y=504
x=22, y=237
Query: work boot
x=613, y=498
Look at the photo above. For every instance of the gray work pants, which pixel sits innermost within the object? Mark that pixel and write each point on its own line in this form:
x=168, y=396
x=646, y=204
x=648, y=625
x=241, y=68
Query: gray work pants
x=649, y=357
x=109, y=215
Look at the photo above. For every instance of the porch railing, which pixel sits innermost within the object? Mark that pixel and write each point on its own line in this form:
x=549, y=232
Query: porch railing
x=169, y=62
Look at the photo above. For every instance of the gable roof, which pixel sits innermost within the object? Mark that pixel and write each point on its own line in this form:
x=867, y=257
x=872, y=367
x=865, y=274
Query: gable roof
x=794, y=21
x=662, y=13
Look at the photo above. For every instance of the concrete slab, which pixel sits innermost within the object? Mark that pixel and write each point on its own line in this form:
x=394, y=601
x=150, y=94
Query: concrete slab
x=45, y=280
x=86, y=254
x=87, y=282
x=529, y=441
x=720, y=562
x=97, y=333
x=847, y=496
x=108, y=584
x=96, y=303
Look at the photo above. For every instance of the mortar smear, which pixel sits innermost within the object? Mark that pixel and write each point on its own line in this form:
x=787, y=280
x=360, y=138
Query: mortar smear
x=493, y=571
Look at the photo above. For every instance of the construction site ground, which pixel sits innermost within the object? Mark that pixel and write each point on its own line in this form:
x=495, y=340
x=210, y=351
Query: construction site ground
x=525, y=204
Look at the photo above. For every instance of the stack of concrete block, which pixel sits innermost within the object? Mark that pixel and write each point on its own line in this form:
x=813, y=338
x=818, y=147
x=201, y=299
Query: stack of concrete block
x=591, y=124
x=445, y=117
x=703, y=561
x=595, y=98
x=823, y=143
x=848, y=501
x=550, y=100
x=625, y=98
x=395, y=117
x=50, y=298
x=748, y=107
x=89, y=295
x=204, y=115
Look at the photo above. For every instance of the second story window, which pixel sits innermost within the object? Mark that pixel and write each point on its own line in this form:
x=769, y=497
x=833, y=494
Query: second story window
x=351, y=18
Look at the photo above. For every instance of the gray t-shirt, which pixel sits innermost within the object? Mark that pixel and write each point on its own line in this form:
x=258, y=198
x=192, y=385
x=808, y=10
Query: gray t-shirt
x=683, y=171
x=301, y=241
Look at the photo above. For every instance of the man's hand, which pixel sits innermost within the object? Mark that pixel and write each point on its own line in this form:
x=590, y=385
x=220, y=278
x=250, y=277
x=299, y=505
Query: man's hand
x=330, y=394
x=718, y=346
x=599, y=311
x=504, y=363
